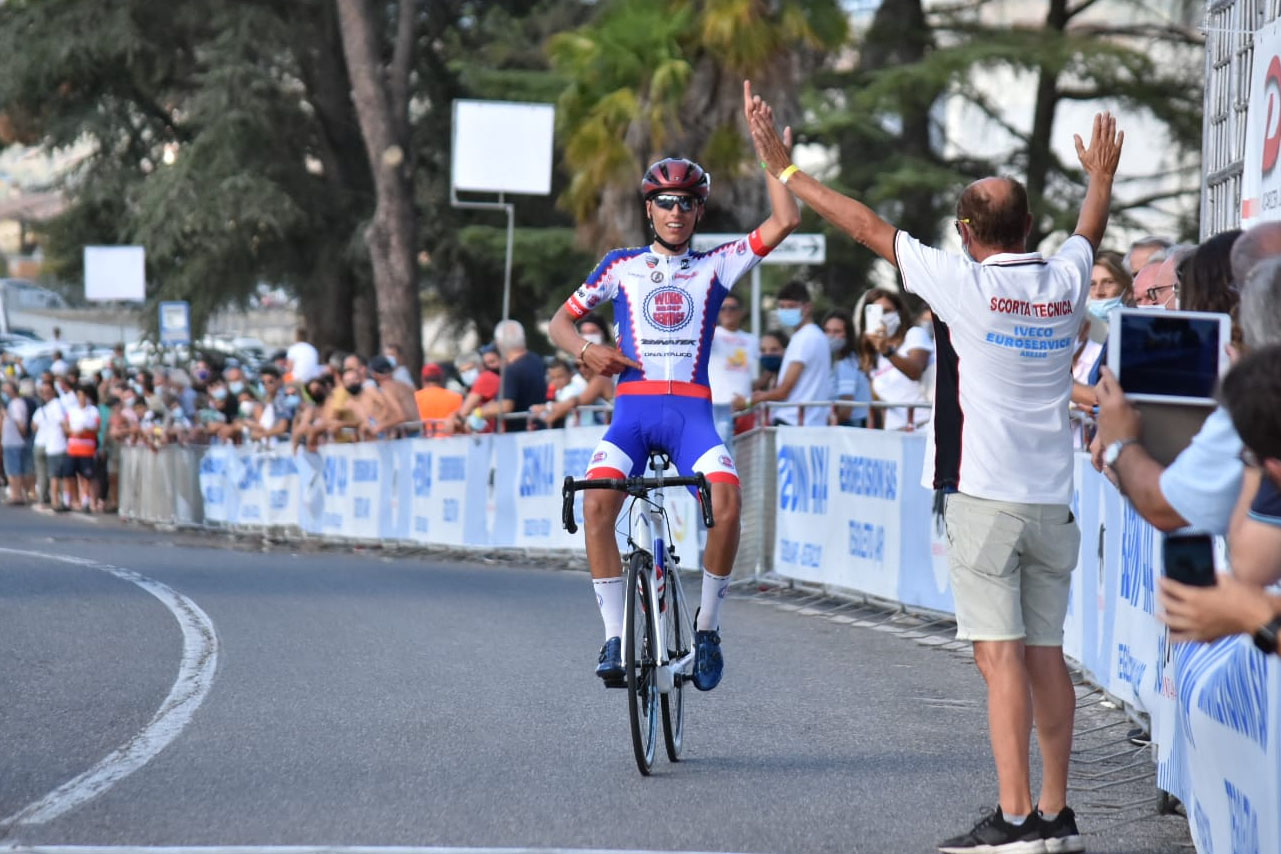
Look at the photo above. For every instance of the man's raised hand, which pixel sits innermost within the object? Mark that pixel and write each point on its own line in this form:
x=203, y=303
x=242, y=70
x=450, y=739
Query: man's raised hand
x=774, y=151
x=1104, y=153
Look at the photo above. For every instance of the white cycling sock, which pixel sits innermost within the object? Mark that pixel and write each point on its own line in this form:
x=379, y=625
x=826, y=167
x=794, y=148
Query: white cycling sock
x=709, y=611
x=609, y=598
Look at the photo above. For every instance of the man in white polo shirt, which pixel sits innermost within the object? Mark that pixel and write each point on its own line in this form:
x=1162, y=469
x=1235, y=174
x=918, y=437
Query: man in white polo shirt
x=1005, y=322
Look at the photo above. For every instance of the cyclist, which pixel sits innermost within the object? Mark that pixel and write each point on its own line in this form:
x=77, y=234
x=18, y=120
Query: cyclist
x=666, y=299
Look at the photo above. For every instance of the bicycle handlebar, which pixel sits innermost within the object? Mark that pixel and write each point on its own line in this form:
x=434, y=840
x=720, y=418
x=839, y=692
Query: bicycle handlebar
x=635, y=486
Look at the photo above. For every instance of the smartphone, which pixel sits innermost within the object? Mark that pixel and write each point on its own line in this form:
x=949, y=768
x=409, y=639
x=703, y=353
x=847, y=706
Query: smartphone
x=1189, y=558
x=873, y=317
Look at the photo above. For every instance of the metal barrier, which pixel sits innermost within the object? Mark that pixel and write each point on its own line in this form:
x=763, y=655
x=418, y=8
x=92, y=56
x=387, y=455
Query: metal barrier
x=161, y=486
x=1229, y=54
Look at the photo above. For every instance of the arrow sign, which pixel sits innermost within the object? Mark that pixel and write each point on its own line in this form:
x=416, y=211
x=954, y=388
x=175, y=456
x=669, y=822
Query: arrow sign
x=795, y=249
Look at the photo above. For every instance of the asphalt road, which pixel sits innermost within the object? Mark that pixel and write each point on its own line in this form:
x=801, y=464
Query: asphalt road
x=363, y=700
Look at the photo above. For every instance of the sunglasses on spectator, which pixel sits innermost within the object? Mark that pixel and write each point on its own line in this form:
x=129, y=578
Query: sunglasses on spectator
x=666, y=202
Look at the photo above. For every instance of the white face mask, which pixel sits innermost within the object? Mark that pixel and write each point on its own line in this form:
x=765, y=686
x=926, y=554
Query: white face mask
x=892, y=323
x=469, y=376
x=594, y=337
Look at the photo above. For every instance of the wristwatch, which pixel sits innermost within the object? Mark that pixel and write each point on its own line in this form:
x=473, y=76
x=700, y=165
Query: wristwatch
x=1266, y=637
x=1113, y=452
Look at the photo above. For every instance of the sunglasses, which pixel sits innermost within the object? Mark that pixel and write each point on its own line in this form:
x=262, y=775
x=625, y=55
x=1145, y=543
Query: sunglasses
x=666, y=202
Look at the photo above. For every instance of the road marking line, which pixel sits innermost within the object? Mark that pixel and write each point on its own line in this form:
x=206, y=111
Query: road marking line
x=195, y=675
x=318, y=849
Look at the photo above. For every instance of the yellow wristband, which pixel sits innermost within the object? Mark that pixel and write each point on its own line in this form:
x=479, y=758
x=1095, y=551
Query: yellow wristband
x=581, y=352
x=787, y=173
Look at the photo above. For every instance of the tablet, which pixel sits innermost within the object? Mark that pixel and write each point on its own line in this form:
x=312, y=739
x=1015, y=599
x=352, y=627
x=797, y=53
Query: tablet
x=1169, y=356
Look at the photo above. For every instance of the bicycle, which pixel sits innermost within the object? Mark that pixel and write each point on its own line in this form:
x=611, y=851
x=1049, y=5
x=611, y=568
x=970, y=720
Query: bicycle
x=658, y=628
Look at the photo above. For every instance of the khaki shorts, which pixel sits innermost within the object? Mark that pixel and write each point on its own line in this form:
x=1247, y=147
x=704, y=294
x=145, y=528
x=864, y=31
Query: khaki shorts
x=1011, y=567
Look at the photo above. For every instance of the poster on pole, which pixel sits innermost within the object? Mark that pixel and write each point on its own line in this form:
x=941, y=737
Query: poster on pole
x=115, y=273
x=503, y=147
x=175, y=323
x=1260, y=178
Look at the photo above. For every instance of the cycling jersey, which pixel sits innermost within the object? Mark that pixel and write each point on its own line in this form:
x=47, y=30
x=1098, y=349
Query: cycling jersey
x=665, y=309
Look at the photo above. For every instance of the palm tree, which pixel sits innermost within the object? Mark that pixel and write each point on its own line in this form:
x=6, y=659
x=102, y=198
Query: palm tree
x=651, y=79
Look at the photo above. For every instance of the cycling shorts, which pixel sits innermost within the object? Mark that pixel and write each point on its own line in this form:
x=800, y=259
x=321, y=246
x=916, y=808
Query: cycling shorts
x=680, y=424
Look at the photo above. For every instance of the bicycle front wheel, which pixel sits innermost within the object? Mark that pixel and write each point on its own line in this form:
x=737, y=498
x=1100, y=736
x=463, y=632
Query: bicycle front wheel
x=679, y=638
x=641, y=664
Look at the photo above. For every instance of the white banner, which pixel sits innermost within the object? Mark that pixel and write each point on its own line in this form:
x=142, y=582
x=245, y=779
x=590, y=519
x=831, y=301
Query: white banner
x=1261, y=179
x=438, y=474
x=839, y=508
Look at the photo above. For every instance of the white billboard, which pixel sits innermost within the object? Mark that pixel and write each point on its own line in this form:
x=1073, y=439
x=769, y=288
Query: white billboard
x=503, y=147
x=115, y=273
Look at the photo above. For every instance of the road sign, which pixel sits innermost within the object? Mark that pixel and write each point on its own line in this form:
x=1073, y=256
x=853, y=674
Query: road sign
x=796, y=249
x=175, y=323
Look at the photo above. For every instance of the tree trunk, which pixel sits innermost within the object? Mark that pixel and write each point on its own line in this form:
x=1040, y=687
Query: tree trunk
x=382, y=106
x=1038, y=148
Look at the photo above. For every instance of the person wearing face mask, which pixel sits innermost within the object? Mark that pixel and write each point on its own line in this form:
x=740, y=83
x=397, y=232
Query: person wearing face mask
x=1110, y=287
x=896, y=355
x=1200, y=486
x=773, y=345
x=999, y=452
x=806, y=371
x=482, y=385
x=849, y=382
x=732, y=366
x=598, y=389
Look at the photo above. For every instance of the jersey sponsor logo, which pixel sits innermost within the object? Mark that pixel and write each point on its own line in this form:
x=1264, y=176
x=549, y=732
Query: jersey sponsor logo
x=726, y=461
x=669, y=308
x=656, y=276
x=651, y=261
x=598, y=457
x=592, y=300
x=685, y=263
x=680, y=276
x=740, y=248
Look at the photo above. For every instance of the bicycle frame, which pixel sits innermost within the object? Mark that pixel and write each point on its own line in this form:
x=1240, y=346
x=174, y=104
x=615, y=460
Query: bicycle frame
x=647, y=530
x=644, y=518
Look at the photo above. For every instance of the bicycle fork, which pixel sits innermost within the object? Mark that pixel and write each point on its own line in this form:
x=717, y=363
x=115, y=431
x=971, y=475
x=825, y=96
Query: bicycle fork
x=645, y=520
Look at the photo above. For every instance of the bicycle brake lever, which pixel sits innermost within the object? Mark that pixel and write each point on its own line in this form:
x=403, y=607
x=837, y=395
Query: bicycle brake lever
x=705, y=500
x=567, y=506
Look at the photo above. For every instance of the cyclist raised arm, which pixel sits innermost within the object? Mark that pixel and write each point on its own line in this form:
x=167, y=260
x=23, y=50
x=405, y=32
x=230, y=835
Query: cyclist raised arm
x=666, y=299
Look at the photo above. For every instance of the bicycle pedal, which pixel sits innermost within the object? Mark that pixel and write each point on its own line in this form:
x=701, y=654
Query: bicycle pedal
x=615, y=683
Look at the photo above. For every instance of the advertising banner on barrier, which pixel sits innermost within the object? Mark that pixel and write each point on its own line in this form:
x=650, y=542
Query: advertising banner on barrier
x=217, y=488
x=250, y=487
x=439, y=472
x=839, y=507
x=366, y=485
x=335, y=517
x=537, y=489
x=280, y=479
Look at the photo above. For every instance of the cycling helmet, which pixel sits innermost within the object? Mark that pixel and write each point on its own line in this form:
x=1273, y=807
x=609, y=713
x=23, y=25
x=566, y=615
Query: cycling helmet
x=676, y=173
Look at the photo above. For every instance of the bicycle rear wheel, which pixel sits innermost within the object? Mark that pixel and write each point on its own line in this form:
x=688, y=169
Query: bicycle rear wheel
x=642, y=680
x=679, y=638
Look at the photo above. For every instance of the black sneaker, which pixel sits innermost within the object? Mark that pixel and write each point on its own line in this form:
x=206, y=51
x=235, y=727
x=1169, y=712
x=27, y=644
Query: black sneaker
x=1139, y=737
x=610, y=668
x=994, y=835
x=1061, y=835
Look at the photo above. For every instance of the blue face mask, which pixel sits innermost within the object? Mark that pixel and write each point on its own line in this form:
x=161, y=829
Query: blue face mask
x=1099, y=309
x=218, y=394
x=771, y=364
x=236, y=386
x=789, y=318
